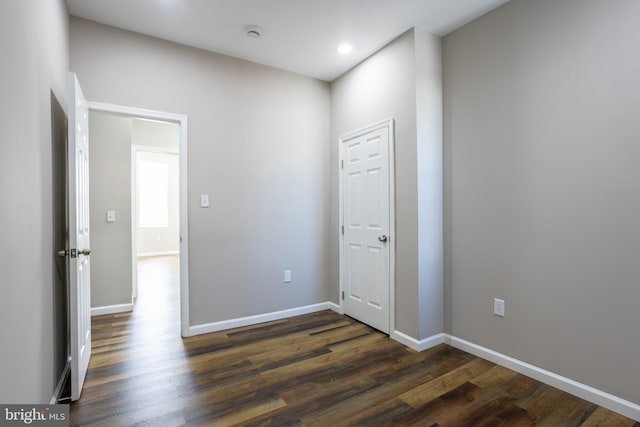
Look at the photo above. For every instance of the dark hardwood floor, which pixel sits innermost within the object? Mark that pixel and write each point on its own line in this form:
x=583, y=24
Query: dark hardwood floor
x=321, y=369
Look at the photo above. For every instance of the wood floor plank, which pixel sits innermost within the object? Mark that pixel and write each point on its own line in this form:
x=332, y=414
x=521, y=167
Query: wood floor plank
x=321, y=369
x=394, y=380
x=445, y=383
x=241, y=416
x=438, y=409
x=605, y=418
x=493, y=377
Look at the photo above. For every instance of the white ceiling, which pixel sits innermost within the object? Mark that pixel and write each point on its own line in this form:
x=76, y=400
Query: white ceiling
x=298, y=35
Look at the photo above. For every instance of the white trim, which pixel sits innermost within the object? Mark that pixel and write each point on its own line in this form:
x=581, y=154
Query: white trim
x=259, y=318
x=134, y=225
x=392, y=213
x=142, y=113
x=111, y=309
x=63, y=378
x=184, y=229
x=591, y=394
x=333, y=306
x=161, y=253
x=367, y=129
x=392, y=224
x=153, y=149
x=418, y=345
x=183, y=121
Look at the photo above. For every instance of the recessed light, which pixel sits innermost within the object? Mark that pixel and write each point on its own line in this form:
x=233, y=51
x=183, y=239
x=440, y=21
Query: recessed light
x=344, y=49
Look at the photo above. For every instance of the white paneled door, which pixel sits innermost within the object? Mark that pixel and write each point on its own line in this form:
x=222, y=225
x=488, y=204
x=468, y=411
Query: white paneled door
x=79, y=248
x=366, y=213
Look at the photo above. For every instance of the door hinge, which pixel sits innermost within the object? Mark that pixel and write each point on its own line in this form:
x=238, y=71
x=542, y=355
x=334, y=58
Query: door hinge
x=342, y=164
x=342, y=294
x=342, y=229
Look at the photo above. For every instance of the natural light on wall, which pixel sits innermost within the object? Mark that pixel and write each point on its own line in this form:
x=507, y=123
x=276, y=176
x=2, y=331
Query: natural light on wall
x=153, y=200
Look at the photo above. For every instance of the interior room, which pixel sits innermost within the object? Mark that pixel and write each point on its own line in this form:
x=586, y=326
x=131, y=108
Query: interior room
x=512, y=189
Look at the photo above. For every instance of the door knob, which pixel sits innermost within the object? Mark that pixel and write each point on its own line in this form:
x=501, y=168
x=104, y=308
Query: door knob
x=85, y=252
x=62, y=253
x=382, y=238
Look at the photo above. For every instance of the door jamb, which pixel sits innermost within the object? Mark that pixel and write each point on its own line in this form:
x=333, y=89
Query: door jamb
x=392, y=213
x=182, y=120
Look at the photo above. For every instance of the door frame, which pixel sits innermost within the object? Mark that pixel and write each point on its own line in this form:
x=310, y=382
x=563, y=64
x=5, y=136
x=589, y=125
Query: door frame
x=182, y=121
x=388, y=123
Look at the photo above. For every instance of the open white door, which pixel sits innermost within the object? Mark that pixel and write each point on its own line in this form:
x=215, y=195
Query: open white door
x=79, y=248
x=367, y=227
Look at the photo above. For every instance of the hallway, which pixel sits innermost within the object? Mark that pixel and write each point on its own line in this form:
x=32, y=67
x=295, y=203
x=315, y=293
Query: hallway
x=157, y=309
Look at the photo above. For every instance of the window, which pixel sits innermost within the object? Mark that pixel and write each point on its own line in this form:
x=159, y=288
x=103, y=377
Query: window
x=153, y=196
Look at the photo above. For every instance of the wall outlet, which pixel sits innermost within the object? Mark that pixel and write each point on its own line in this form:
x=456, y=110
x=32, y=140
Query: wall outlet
x=287, y=276
x=498, y=307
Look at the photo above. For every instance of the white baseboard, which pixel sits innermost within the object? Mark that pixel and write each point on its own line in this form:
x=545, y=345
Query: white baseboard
x=63, y=377
x=162, y=253
x=260, y=318
x=333, y=306
x=111, y=309
x=599, y=397
x=418, y=345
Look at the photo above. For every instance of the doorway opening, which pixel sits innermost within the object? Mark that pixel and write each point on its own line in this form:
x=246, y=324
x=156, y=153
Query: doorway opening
x=155, y=196
x=139, y=207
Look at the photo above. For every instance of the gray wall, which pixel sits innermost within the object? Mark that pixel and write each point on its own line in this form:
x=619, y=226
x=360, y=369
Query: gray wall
x=153, y=133
x=33, y=45
x=258, y=145
x=110, y=189
x=428, y=54
x=543, y=186
x=386, y=85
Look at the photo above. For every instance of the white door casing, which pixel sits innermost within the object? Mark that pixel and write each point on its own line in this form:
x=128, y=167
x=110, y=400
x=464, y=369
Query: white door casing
x=182, y=120
x=79, y=242
x=367, y=235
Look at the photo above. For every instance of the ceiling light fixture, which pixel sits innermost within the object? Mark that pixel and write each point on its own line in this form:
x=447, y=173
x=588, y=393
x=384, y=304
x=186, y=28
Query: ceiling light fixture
x=254, y=32
x=343, y=49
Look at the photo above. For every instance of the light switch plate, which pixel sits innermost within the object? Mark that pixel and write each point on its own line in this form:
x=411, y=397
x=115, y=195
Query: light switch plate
x=498, y=307
x=111, y=216
x=287, y=276
x=204, y=200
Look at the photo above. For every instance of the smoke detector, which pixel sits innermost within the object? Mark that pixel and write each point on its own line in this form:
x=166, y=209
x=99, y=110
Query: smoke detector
x=254, y=32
